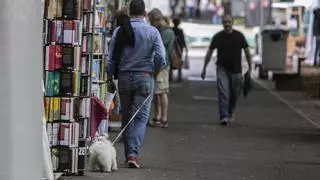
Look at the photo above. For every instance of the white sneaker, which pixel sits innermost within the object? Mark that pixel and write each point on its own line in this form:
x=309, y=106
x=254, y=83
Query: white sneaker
x=225, y=122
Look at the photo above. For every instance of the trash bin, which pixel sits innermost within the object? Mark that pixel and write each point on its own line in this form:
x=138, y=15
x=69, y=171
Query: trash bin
x=274, y=48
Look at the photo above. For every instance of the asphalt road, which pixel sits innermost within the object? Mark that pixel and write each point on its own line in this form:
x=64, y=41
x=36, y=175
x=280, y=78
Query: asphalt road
x=267, y=142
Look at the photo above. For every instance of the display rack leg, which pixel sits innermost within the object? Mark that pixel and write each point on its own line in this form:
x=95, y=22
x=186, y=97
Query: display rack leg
x=20, y=90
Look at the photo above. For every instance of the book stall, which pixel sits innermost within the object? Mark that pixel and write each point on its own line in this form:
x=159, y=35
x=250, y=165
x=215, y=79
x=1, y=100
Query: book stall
x=76, y=34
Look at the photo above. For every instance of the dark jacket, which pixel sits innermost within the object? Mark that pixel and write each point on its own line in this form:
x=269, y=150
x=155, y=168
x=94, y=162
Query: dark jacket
x=247, y=85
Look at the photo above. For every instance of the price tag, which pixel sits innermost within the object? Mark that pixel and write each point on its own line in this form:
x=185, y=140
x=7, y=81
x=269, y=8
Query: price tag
x=82, y=151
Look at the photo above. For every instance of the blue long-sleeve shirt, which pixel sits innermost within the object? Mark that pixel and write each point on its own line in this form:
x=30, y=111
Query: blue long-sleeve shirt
x=147, y=53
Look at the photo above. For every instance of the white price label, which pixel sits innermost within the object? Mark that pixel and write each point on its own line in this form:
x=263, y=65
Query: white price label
x=82, y=151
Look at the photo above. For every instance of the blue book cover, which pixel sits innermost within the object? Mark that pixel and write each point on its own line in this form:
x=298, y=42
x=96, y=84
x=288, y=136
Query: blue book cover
x=95, y=70
x=53, y=83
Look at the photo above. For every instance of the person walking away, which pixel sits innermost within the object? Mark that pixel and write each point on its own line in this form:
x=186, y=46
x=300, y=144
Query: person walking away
x=136, y=52
x=191, y=6
x=162, y=80
x=182, y=43
x=229, y=44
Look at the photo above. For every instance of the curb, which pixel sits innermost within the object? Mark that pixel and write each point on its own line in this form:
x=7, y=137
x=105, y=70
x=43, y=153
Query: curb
x=287, y=103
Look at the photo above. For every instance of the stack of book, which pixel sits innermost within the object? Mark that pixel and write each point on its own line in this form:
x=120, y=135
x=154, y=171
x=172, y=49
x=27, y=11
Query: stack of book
x=67, y=84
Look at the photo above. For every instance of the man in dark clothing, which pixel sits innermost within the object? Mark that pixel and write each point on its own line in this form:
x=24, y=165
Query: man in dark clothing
x=182, y=43
x=229, y=44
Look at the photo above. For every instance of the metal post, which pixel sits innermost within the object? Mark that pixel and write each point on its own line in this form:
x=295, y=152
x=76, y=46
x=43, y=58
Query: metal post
x=261, y=28
x=20, y=90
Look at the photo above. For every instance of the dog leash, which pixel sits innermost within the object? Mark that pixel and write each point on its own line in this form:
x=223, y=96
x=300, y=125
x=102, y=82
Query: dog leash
x=134, y=115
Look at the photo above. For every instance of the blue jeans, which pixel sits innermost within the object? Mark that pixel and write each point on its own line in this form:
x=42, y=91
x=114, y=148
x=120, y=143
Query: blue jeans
x=134, y=88
x=191, y=12
x=229, y=89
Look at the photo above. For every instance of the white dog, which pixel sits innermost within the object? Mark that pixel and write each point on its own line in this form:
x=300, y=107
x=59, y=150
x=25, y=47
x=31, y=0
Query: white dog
x=102, y=155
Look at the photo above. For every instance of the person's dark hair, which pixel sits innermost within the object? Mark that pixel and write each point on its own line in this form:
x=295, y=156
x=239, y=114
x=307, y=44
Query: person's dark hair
x=121, y=17
x=176, y=22
x=137, y=8
x=227, y=15
x=125, y=33
x=124, y=38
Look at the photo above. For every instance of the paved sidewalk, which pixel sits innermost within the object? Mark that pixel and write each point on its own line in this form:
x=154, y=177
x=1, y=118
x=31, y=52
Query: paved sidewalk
x=269, y=141
x=299, y=102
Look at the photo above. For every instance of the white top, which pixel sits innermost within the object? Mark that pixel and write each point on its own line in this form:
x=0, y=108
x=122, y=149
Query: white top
x=191, y=3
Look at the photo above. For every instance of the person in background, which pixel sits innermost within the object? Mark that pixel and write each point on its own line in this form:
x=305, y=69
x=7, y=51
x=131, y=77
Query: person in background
x=136, y=52
x=162, y=80
x=182, y=43
x=191, y=7
x=229, y=44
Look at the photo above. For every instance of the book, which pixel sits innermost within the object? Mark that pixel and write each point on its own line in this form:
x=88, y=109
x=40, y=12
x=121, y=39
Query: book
x=95, y=90
x=95, y=70
x=77, y=58
x=85, y=65
x=67, y=109
x=52, y=83
x=56, y=31
x=84, y=111
x=98, y=43
x=66, y=84
x=54, y=58
x=54, y=112
x=68, y=57
x=69, y=9
x=85, y=84
x=53, y=9
x=76, y=83
x=65, y=32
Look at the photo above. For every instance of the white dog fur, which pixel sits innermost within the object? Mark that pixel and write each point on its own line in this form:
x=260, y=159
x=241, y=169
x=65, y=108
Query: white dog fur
x=102, y=155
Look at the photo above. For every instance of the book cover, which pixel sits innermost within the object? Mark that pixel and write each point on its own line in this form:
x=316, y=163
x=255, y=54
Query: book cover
x=83, y=128
x=85, y=65
x=77, y=58
x=52, y=83
x=66, y=83
x=95, y=70
x=53, y=9
x=85, y=108
x=97, y=44
x=69, y=9
x=77, y=32
x=67, y=105
x=68, y=56
x=95, y=89
x=56, y=31
x=54, y=109
x=76, y=85
x=85, y=82
x=85, y=44
x=68, y=31
x=53, y=59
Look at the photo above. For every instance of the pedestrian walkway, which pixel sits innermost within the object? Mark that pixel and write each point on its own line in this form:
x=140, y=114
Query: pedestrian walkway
x=269, y=141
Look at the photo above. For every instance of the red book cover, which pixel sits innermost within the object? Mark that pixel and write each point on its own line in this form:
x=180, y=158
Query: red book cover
x=63, y=107
x=58, y=57
x=53, y=31
x=50, y=61
x=62, y=131
x=68, y=32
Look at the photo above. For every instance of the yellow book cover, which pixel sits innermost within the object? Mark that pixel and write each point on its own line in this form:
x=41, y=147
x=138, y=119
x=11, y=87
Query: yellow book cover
x=47, y=107
x=56, y=108
x=76, y=82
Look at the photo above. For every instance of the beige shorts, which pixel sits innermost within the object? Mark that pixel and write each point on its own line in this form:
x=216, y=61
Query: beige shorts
x=162, y=81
